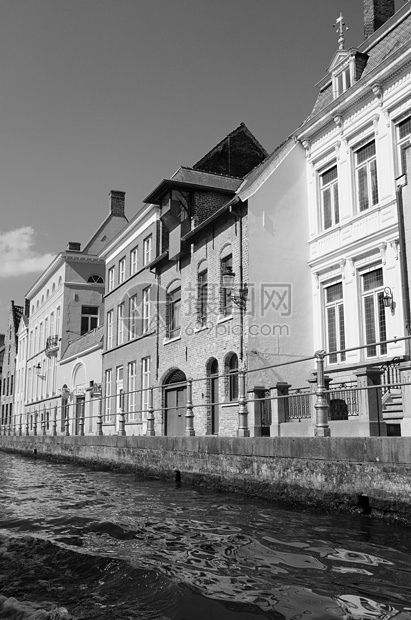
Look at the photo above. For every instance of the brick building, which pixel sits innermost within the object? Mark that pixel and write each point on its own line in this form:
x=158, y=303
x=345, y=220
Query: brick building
x=200, y=329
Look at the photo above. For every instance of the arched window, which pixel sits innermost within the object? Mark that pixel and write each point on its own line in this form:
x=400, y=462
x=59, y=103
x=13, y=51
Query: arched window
x=202, y=305
x=226, y=303
x=174, y=312
x=95, y=279
x=232, y=377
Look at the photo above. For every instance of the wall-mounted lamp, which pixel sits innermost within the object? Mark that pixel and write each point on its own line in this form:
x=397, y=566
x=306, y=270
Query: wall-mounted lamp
x=37, y=370
x=65, y=391
x=387, y=298
x=240, y=299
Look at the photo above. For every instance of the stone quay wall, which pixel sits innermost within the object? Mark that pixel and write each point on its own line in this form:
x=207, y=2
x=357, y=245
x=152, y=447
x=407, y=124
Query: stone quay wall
x=370, y=475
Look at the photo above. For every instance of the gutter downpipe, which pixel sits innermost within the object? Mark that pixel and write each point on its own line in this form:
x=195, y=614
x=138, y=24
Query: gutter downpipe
x=401, y=182
x=242, y=309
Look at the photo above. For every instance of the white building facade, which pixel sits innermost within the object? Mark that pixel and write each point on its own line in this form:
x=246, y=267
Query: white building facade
x=354, y=142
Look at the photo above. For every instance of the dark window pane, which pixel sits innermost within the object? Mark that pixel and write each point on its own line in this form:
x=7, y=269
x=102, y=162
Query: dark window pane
x=372, y=280
x=336, y=205
x=342, y=330
x=327, y=208
x=362, y=189
x=381, y=322
x=332, y=333
x=404, y=128
x=366, y=152
x=334, y=292
x=374, y=184
x=369, y=325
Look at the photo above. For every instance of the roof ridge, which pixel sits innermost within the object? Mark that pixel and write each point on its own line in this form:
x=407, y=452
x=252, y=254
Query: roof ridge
x=216, y=174
x=241, y=126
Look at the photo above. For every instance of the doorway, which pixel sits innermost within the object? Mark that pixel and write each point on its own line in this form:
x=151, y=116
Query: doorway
x=214, y=396
x=175, y=400
x=80, y=402
x=262, y=413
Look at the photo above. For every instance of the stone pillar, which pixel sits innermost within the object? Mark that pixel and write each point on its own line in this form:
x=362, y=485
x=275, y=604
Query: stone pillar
x=54, y=425
x=313, y=398
x=189, y=414
x=122, y=420
x=405, y=377
x=279, y=407
x=321, y=403
x=67, y=419
x=370, y=420
x=150, y=413
x=100, y=416
x=243, y=430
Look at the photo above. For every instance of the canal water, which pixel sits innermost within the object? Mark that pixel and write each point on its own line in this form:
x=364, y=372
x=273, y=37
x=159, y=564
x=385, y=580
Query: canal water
x=107, y=545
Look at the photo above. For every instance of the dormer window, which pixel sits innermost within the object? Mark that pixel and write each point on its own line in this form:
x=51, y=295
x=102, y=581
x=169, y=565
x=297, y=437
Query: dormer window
x=342, y=81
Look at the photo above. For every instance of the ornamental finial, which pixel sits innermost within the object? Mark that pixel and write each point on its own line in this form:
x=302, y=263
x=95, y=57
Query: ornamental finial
x=341, y=27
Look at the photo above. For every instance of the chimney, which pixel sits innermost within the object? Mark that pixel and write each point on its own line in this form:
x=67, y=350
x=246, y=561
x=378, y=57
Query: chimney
x=117, y=203
x=73, y=246
x=376, y=13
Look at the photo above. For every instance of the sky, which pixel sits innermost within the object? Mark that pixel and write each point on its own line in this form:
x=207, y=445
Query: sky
x=117, y=94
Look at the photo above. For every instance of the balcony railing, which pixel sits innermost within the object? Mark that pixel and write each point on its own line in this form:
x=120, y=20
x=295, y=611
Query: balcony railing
x=52, y=345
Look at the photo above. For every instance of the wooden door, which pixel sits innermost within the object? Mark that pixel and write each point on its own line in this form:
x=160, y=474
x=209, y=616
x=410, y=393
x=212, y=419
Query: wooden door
x=175, y=422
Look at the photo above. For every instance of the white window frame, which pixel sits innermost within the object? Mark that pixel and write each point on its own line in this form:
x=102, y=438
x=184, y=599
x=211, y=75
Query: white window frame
x=110, y=323
x=145, y=385
x=131, y=389
x=146, y=303
x=402, y=143
x=111, y=278
x=134, y=260
x=376, y=294
x=108, y=393
x=371, y=168
x=339, y=323
x=119, y=390
x=133, y=318
x=340, y=81
x=329, y=187
x=174, y=312
x=120, y=324
x=122, y=270
x=147, y=249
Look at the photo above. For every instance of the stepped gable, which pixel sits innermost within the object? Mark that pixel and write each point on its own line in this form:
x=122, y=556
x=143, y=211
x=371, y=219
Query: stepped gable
x=236, y=155
x=85, y=342
x=17, y=314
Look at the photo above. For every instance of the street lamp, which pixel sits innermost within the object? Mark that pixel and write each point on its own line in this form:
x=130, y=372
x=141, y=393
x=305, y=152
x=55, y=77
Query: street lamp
x=228, y=278
x=37, y=370
x=387, y=298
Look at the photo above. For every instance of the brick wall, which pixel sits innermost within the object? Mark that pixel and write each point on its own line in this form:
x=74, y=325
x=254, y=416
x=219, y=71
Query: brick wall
x=198, y=345
x=376, y=13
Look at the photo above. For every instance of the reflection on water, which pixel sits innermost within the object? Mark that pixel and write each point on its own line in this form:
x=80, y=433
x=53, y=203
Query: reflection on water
x=135, y=548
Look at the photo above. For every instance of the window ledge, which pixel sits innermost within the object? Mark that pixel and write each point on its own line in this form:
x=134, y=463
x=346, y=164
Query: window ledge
x=223, y=319
x=202, y=328
x=170, y=340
